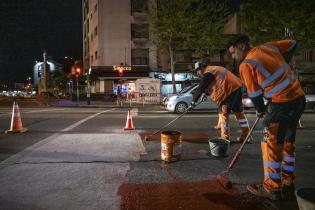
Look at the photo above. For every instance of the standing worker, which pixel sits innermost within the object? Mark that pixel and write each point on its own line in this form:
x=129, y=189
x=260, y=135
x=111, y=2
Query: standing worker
x=266, y=73
x=225, y=89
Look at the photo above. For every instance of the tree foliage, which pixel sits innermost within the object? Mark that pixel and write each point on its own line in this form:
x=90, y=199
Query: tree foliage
x=59, y=80
x=188, y=25
x=273, y=20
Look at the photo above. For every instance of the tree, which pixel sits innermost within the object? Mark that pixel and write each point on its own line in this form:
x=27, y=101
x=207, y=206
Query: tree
x=273, y=20
x=59, y=81
x=188, y=25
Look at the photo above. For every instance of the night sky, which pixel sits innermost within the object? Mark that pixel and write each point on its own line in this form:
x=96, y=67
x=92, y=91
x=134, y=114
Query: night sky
x=28, y=27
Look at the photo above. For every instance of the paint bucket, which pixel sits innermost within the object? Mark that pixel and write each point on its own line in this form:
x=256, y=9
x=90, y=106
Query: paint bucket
x=171, y=145
x=306, y=198
x=218, y=147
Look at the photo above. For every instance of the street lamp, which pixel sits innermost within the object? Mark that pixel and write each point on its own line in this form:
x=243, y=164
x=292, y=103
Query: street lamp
x=77, y=73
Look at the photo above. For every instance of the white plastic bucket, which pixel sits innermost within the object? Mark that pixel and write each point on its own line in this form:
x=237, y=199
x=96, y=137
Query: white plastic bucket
x=305, y=198
x=218, y=147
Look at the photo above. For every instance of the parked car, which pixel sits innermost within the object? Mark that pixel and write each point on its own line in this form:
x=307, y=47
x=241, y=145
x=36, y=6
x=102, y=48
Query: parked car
x=178, y=103
x=247, y=103
x=310, y=101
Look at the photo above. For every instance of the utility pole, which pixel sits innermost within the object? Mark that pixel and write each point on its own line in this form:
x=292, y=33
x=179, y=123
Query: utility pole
x=77, y=78
x=88, y=91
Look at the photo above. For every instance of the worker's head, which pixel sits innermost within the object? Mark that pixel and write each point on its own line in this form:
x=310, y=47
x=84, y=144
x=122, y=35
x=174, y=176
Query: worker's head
x=200, y=66
x=238, y=47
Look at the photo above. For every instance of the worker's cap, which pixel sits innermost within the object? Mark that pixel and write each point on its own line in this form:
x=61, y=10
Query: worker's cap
x=201, y=63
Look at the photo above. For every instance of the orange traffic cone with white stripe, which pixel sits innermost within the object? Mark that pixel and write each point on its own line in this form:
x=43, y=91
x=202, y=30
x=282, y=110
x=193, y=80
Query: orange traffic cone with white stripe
x=129, y=123
x=299, y=125
x=16, y=122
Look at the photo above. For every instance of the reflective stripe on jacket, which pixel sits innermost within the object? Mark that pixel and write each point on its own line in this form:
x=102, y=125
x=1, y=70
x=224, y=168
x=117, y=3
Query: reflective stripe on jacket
x=264, y=71
x=224, y=83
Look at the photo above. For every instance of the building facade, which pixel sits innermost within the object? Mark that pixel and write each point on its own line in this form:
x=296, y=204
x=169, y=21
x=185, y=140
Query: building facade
x=116, y=35
x=119, y=50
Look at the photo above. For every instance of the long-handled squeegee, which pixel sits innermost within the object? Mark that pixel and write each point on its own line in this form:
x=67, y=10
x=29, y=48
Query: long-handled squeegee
x=202, y=99
x=222, y=178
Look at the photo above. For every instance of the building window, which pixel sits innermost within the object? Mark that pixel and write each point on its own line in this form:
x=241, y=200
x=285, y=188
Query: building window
x=140, y=57
x=308, y=55
x=183, y=56
x=95, y=55
x=95, y=31
x=139, y=6
x=91, y=59
x=95, y=7
x=139, y=31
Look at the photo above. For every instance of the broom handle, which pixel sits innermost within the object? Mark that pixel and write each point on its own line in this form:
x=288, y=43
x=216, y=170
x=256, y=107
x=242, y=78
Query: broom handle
x=168, y=124
x=237, y=154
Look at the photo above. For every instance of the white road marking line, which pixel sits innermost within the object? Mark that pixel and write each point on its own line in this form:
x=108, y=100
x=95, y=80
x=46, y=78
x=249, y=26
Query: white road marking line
x=35, y=111
x=84, y=120
x=16, y=157
x=134, y=112
x=44, y=110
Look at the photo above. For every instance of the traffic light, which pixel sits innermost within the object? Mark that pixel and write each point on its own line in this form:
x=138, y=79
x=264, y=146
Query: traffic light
x=120, y=71
x=78, y=71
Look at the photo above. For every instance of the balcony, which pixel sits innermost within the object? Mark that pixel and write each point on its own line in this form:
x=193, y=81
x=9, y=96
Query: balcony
x=140, y=16
x=139, y=40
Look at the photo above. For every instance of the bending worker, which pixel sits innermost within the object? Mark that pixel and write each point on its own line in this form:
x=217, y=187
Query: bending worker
x=265, y=72
x=225, y=89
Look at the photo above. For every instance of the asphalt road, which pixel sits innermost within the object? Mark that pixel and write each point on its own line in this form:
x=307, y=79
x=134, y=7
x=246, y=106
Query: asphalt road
x=79, y=158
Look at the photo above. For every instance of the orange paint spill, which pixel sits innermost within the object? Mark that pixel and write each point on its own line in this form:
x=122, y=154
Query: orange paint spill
x=184, y=195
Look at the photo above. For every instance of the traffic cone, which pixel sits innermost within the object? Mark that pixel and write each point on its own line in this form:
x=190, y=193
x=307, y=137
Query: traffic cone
x=16, y=122
x=129, y=123
x=299, y=125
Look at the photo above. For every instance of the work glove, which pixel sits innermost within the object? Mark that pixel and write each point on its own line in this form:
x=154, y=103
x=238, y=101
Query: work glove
x=260, y=114
x=203, y=97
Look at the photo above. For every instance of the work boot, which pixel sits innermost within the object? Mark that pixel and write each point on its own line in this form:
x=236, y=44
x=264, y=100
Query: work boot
x=259, y=191
x=288, y=191
x=217, y=127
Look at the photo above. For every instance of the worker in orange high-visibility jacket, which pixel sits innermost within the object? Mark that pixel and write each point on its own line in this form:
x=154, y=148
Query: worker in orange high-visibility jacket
x=225, y=89
x=266, y=73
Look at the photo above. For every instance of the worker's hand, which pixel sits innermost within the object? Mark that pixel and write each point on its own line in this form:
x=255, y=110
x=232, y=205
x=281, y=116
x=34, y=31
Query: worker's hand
x=260, y=114
x=189, y=108
x=203, y=97
x=192, y=106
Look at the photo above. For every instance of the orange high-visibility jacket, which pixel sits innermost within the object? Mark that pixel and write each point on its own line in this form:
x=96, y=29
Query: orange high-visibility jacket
x=264, y=71
x=224, y=83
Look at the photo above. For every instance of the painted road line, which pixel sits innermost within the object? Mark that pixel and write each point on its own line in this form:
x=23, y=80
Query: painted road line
x=84, y=120
x=43, y=110
x=14, y=158
x=134, y=112
x=35, y=111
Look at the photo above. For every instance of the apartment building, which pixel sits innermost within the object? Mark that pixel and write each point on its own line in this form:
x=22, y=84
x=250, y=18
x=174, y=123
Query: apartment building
x=118, y=47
